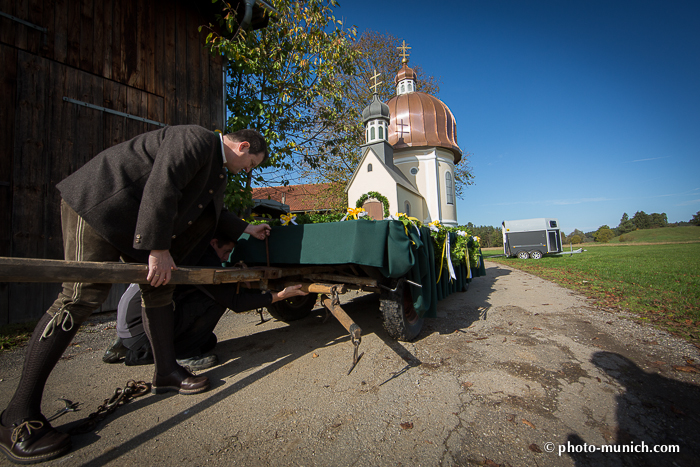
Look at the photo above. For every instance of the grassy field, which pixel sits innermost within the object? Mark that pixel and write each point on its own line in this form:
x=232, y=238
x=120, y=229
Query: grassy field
x=659, y=283
x=668, y=234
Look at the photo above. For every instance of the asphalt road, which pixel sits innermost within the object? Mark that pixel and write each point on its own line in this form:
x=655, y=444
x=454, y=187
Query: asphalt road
x=513, y=368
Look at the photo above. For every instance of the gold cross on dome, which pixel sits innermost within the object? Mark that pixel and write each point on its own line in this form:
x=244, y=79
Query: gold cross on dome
x=376, y=84
x=404, y=49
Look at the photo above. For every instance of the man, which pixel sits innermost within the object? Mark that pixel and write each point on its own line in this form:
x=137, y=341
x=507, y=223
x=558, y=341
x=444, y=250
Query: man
x=150, y=199
x=198, y=308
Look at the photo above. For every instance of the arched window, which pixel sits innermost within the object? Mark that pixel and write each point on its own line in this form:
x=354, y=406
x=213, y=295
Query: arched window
x=448, y=188
x=403, y=89
x=369, y=167
x=381, y=132
x=407, y=208
x=371, y=134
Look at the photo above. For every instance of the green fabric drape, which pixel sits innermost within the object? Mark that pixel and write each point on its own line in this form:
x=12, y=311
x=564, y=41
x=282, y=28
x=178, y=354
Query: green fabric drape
x=380, y=244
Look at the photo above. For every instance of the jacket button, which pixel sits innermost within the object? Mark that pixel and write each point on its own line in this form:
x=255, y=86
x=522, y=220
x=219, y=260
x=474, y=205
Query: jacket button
x=200, y=206
x=221, y=175
x=174, y=237
x=211, y=192
x=138, y=236
x=189, y=223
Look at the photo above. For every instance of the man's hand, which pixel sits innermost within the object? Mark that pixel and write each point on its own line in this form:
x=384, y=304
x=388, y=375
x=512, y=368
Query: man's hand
x=260, y=231
x=160, y=267
x=288, y=292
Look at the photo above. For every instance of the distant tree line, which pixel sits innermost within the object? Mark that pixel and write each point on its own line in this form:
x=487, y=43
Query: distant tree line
x=640, y=220
x=489, y=236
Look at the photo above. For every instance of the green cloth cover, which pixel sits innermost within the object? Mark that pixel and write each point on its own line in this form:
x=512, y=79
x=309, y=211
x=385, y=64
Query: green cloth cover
x=380, y=244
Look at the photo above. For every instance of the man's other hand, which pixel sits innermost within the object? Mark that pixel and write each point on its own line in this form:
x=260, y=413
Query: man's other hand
x=288, y=292
x=260, y=231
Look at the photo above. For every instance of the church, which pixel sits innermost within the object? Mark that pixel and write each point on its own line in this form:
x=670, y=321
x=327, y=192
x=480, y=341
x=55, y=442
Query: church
x=409, y=154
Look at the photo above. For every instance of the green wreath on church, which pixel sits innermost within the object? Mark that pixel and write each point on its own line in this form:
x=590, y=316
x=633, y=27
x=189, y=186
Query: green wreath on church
x=378, y=197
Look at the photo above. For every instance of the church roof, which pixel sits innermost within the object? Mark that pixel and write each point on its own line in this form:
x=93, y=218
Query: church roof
x=375, y=109
x=421, y=120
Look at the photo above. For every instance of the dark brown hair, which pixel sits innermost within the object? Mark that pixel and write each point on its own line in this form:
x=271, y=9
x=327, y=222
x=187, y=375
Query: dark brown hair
x=254, y=138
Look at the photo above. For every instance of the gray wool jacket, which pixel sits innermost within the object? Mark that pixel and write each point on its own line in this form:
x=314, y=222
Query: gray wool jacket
x=140, y=194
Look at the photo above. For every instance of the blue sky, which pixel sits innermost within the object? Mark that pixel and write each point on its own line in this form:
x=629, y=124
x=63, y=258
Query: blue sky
x=578, y=110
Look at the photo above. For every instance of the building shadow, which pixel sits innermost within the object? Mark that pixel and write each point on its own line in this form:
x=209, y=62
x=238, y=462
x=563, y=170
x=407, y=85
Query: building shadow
x=653, y=411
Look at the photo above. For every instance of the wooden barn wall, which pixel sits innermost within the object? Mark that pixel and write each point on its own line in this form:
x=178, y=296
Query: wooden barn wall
x=144, y=58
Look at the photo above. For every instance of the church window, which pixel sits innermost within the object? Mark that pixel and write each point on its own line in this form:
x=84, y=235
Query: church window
x=381, y=132
x=403, y=89
x=407, y=208
x=371, y=132
x=410, y=86
x=448, y=188
x=369, y=167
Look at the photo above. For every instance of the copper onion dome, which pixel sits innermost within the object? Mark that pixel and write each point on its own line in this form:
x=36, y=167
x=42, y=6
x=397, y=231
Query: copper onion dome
x=421, y=120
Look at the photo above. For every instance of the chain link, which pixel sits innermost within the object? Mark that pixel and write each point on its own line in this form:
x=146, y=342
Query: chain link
x=132, y=390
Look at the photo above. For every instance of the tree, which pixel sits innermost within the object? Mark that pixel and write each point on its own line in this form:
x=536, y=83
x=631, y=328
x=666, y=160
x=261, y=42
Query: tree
x=603, y=234
x=376, y=53
x=281, y=80
x=574, y=238
x=696, y=219
x=626, y=224
x=641, y=220
x=657, y=220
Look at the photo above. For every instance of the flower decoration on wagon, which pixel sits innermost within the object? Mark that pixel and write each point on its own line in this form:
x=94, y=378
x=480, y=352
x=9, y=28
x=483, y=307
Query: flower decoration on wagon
x=287, y=218
x=354, y=213
x=407, y=221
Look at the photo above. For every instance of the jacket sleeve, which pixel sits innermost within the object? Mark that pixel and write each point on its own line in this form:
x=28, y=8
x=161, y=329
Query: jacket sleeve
x=231, y=224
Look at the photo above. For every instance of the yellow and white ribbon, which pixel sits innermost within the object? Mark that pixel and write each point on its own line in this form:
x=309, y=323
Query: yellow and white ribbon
x=462, y=233
x=287, y=218
x=355, y=213
x=414, y=221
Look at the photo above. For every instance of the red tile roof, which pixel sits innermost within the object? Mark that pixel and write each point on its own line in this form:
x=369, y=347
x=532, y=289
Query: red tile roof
x=300, y=198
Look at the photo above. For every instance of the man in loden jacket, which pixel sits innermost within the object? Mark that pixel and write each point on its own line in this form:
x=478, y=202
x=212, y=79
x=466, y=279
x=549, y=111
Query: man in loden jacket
x=151, y=199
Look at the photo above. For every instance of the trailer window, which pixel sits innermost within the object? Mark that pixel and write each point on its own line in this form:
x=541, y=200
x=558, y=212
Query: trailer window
x=553, y=224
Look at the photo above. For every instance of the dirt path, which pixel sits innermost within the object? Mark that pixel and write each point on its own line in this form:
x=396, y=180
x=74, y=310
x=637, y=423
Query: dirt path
x=509, y=367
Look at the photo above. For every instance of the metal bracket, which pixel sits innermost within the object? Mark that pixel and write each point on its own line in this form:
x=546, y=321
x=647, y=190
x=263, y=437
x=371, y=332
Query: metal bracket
x=398, y=284
x=114, y=112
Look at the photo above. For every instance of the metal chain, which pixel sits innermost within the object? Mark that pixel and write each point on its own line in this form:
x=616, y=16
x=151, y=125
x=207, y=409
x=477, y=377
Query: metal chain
x=132, y=390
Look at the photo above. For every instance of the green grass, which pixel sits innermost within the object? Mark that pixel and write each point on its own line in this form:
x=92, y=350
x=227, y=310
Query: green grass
x=13, y=335
x=667, y=234
x=659, y=283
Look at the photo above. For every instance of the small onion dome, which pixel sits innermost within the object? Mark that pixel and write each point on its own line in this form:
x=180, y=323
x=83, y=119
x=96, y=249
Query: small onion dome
x=421, y=120
x=405, y=73
x=376, y=109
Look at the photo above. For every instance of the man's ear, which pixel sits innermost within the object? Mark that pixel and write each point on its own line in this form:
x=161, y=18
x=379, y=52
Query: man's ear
x=214, y=243
x=243, y=145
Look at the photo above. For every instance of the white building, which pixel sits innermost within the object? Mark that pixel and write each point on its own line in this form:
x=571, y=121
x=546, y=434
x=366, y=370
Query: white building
x=409, y=156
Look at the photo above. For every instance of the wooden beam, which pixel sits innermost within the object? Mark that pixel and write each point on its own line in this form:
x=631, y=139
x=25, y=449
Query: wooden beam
x=51, y=270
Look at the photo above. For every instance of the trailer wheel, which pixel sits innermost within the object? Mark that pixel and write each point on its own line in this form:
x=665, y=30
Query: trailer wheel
x=399, y=317
x=294, y=308
x=523, y=254
x=536, y=254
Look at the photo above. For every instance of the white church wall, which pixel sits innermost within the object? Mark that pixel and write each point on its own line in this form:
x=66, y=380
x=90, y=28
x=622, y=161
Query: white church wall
x=426, y=178
x=448, y=210
x=378, y=179
x=416, y=203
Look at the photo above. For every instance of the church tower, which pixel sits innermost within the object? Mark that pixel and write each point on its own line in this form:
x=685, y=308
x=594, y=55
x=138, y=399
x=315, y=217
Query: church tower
x=423, y=134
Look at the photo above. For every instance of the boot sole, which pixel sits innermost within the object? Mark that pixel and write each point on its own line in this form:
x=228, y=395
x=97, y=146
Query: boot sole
x=35, y=459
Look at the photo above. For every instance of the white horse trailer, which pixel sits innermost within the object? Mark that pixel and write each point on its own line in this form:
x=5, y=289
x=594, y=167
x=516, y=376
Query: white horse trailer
x=531, y=238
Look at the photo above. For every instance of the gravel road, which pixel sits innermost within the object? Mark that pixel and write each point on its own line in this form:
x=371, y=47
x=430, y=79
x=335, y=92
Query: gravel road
x=510, y=370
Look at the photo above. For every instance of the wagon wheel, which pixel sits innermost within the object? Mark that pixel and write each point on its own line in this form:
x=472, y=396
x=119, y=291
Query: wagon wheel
x=536, y=254
x=294, y=308
x=523, y=254
x=398, y=314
